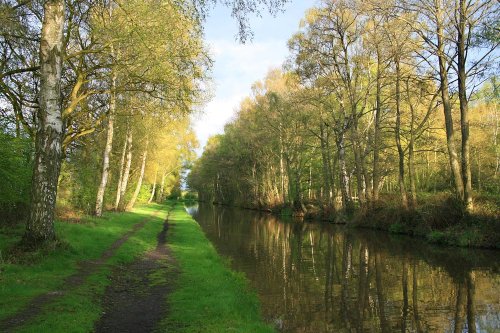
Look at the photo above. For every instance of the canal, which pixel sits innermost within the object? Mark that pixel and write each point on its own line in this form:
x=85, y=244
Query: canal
x=319, y=277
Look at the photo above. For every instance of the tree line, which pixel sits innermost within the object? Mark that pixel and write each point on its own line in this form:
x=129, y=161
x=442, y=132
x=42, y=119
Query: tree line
x=95, y=99
x=379, y=101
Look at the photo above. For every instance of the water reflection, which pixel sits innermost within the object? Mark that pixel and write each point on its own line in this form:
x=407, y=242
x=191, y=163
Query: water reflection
x=314, y=277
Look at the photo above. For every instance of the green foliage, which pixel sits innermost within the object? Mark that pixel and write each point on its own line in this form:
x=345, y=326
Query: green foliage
x=397, y=228
x=15, y=174
x=286, y=211
x=78, y=180
x=436, y=237
x=190, y=196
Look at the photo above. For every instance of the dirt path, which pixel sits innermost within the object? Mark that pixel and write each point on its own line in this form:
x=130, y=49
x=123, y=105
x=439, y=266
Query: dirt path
x=85, y=269
x=135, y=301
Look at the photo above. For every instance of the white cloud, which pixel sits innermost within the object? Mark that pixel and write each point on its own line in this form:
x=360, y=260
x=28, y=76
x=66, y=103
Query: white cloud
x=236, y=68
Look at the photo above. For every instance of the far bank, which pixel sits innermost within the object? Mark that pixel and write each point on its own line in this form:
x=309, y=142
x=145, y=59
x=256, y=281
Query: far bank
x=438, y=218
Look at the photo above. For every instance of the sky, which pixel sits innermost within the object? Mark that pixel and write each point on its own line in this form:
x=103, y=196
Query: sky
x=237, y=66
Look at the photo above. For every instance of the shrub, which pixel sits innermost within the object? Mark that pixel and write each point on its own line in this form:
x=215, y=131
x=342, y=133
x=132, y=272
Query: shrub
x=15, y=173
x=436, y=237
x=397, y=228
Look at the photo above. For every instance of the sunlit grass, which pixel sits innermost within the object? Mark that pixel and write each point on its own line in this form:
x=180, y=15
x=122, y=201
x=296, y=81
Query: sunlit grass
x=78, y=310
x=208, y=296
x=25, y=276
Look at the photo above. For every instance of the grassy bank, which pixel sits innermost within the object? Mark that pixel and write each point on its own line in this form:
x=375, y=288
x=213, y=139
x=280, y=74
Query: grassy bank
x=439, y=219
x=208, y=296
x=23, y=276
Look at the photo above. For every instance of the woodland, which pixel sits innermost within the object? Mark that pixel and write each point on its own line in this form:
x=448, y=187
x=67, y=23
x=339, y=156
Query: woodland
x=384, y=108
x=95, y=103
x=385, y=115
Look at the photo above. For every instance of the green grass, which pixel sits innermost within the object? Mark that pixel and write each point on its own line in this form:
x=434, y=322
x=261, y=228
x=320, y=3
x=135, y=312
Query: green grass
x=26, y=276
x=208, y=295
x=79, y=310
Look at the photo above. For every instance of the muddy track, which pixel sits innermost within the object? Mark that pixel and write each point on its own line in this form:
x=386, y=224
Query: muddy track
x=135, y=301
x=85, y=269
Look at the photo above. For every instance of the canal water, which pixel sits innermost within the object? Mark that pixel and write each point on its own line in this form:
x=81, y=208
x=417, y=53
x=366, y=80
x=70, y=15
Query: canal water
x=319, y=277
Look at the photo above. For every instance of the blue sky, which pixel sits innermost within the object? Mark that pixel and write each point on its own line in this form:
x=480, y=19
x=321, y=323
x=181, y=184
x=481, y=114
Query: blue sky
x=238, y=66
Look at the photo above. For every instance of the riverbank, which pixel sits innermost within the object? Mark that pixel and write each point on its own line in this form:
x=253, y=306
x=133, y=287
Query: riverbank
x=69, y=285
x=438, y=218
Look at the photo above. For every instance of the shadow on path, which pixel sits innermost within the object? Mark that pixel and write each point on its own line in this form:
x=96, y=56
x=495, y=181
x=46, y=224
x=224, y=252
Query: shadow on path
x=85, y=269
x=135, y=301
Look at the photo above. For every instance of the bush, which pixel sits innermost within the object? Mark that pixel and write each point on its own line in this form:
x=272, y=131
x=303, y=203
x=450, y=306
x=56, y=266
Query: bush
x=397, y=228
x=15, y=172
x=436, y=237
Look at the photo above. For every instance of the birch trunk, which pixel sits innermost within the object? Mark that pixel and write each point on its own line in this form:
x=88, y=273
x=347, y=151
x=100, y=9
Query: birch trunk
x=132, y=201
x=464, y=110
x=48, y=151
x=344, y=176
x=376, y=135
x=107, y=149
x=162, y=186
x=360, y=184
x=120, y=179
x=153, y=192
x=326, y=168
x=411, y=162
x=282, y=167
x=109, y=136
x=401, y=174
x=126, y=172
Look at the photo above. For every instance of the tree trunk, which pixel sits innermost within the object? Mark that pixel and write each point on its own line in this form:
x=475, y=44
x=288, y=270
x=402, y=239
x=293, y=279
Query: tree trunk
x=109, y=137
x=464, y=111
x=107, y=149
x=162, y=186
x=282, y=167
x=326, y=168
x=359, y=170
x=47, y=166
x=122, y=169
x=376, y=134
x=344, y=177
x=411, y=172
x=132, y=201
x=448, y=118
x=402, y=188
x=126, y=172
x=411, y=160
x=153, y=192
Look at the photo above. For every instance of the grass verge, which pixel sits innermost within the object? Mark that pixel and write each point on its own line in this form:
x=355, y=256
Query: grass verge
x=25, y=276
x=208, y=295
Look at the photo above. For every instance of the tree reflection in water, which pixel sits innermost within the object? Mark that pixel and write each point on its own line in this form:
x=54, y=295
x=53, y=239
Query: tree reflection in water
x=316, y=277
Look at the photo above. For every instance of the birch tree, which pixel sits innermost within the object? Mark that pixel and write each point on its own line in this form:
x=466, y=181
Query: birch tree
x=48, y=146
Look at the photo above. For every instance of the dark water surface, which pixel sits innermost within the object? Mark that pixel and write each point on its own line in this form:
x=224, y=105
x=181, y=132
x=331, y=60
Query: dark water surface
x=318, y=277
